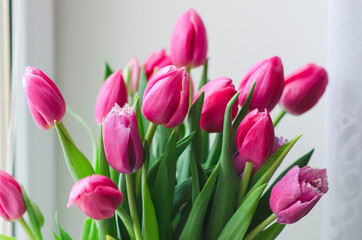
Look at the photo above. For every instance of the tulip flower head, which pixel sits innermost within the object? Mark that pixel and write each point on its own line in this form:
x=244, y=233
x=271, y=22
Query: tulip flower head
x=12, y=205
x=46, y=103
x=134, y=78
x=113, y=91
x=189, y=41
x=297, y=193
x=157, y=61
x=97, y=196
x=166, y=97
x=303, y=88
x=122, y=140
x=240, y=165
x=218, y=93
x=269, y=77
x=255, y=137
x=278, y=142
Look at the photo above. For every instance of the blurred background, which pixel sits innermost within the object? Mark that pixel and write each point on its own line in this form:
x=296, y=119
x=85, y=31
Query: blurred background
x=71, y=40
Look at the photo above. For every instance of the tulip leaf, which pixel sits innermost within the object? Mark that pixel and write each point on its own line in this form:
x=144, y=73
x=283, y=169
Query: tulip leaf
x=3, y=237
x=227, y=184
x=89, y=230
x=63, y=234
x=194, y=177
x=102, y=166
x=137, y=109
x=109, y=238
x=263, y=210
x=162, y=134
x=183, y=194
x=180, y=221
x=107, y=70
x=203, y=80
x=141, y=90
x=239, y=222
x=36, y=218
x=271, y=232
x=78, y=165
x=204, y=146
x=194, y=224
x=184, y=142
x=215, y=151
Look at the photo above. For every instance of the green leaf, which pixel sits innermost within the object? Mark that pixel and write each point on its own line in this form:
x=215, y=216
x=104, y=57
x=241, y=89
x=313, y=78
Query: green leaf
x=271, y=232
x=227, y=185
x=103, y=166
x=184, y=142
x=162, y=134
x=180, y=222
x=213, y=157
x=90, y=231
x=194, y=224
x=203, y=80
x=36, y=219
x=183, y=194
x=3, y=237
x=78, y=165
x=194, y=177
x=141, y=90
x=204, y=146
x=56, y=237
x=239, y=223
x=107, y=71
x=63, y=234
x=137, y=108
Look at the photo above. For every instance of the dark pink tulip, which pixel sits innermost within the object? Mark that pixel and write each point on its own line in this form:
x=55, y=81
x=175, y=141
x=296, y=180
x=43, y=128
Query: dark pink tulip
x=240, y=165
x=189, y=41
x=122, y=140
x=218, y=93
x=113, y=91
x=255, y=137
x=12, y=205
x=45, y=101
x=297, y=192
x=134, y=78
x=269, y=77
x=303, y=88
x=157, y=61
x=166, y=97
x=97, y=196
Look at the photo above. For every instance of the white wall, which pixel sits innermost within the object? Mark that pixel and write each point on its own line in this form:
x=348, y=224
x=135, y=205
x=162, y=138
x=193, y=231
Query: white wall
x=240, y=33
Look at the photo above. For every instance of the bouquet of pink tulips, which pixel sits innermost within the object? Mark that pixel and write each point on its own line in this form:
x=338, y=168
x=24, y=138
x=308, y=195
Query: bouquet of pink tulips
x=155, y=174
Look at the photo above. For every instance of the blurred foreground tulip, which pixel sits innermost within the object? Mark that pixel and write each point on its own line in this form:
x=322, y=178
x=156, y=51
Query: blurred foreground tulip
x=189, y=41
x=113, y=91
x=303, y=88
x=269, y=77
x=218, y=93
x=297, y=192
x=122, y=140
x=97, y=196
x=166, y=97
x=157, y=61
x=134, y=75
x=255, y=137
x=12, y=205
x=45, y=101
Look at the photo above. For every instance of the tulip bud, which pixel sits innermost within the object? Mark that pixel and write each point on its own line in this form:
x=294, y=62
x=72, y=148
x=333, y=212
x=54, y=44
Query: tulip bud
x=113, y=91
x=12, y=205
x=218, y=93
x=189, y=41
x=269, y=77
x=166, y=97
x=297, y=192
x=303, y=88
x=240, y=165
x=97, y=196
x=157, y=61
x=122, y=140
x=134, y=75
x=45, y=101
x=255, y=137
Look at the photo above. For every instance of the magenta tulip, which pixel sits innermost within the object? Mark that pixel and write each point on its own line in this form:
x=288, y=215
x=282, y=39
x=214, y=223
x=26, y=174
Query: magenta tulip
x=269, y=77
x=255, y=137
x=156, y=61
x=189, y=41
x=297, y=192
x=218, y=93
x=97, y=196
x=46, y=103
x=166, y=97
x=113, y=91
x=122, y=140
x=134, y=75
x=240, y=164
x=303, y=88
x=12, y=205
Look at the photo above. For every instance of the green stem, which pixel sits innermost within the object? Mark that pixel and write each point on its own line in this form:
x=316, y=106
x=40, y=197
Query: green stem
x=244, y=182
x=138, y=182
x=127, y=221
x=150, y=132
x=106, y=227
x=61, y=125
x=279, y=117
x=133, y=207
x=251, y=235
x=26, y=228
x=188, y=71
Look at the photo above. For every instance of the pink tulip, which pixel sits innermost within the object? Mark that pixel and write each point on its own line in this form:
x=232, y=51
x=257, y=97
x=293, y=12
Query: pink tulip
x=297, y=192
x=12, y=205
x=218, y=93
x=278, y=142
x=269, y=77
x=97, y=196
x=157, y=61
x=303, y=88
x=46, y=103
x=122, y=140
x=189, y=41
x=255, y=137
x=134, y=78
x=113, y=91
x=166, y=97
x=240, y=165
